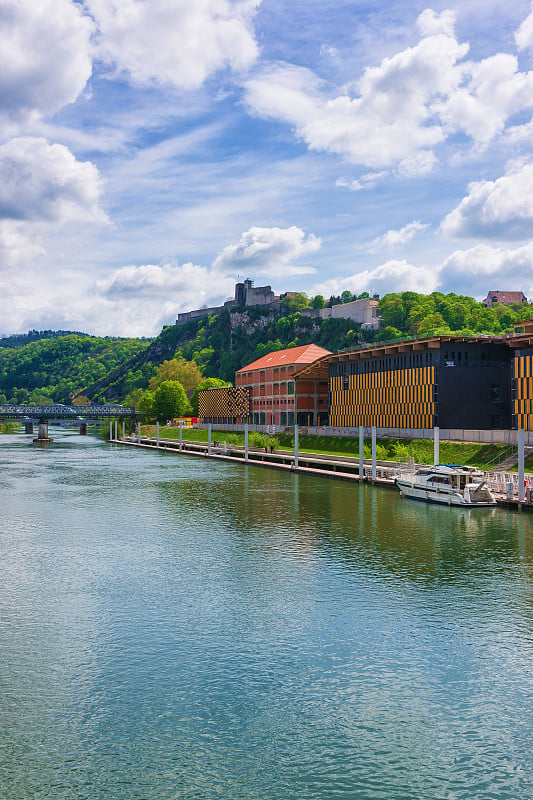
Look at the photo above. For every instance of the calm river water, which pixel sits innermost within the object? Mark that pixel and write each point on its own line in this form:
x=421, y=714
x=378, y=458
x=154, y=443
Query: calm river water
x=177, y=629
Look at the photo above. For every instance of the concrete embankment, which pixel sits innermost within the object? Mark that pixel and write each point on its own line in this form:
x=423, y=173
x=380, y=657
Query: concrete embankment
x=324, y=466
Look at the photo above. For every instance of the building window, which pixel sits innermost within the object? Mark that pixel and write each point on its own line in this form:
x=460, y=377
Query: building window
x=345, y=383
x=290, y=387
x=495, y=393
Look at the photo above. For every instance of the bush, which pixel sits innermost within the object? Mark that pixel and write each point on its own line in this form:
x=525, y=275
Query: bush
x=257, y=439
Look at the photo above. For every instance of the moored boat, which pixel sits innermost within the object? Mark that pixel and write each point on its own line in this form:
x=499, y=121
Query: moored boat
x=447, y=484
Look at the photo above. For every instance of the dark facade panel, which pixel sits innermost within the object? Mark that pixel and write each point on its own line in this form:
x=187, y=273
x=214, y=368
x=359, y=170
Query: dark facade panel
x=474, y=397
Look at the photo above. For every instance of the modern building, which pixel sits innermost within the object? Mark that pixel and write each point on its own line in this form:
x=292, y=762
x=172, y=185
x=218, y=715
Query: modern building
x=278, y=395
x=504, y=298
x=450, y=382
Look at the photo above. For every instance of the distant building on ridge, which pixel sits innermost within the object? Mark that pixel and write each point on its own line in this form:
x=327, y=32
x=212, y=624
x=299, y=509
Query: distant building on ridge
x=504, y=298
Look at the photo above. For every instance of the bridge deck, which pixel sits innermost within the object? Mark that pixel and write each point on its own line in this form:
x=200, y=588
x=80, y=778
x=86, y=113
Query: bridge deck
x=60, y=411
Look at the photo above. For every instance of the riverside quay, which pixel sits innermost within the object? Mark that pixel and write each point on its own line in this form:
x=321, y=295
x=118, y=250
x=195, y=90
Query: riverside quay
x=472, y=382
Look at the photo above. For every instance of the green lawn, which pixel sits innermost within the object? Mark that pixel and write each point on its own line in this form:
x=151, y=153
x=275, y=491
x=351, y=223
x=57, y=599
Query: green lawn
x=476, y=455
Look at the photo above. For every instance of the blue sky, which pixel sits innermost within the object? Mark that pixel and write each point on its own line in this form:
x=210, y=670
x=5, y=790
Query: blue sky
x=153, y=151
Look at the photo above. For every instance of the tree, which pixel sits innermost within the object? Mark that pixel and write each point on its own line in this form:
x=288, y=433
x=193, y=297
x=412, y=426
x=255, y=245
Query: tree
x=187, y=373
x=170, y=401
x=145, y=404
x=318, y=301
x=206, y=383
x=300, y=300
x=346, y=296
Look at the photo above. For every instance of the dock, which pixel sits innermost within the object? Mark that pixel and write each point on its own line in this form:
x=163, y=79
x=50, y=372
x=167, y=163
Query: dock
x=342, y=468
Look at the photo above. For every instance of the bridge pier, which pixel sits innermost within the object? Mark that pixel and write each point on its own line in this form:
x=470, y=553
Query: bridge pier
x=83, y=429
x=42, y=436
x=28, y=427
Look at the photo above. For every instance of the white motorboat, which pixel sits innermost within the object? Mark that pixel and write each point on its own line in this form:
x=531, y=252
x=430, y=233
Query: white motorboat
x=448, y=484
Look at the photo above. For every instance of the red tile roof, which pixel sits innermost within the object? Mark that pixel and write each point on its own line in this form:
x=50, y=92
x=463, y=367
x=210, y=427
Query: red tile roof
x=305, y=354
x=505, y=298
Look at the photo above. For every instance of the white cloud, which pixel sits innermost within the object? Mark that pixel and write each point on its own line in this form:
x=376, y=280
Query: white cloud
x=398, y=112
x=482, y=268
x=397, y=238
x=392, y=276
x=524, y=34
x=367, y=181
x=175, y=42
x=268, y=251
x=493, y=91
x=429, y=23
x=46, y=62
x=44, y=182
x=192, y=285
x=500, y=209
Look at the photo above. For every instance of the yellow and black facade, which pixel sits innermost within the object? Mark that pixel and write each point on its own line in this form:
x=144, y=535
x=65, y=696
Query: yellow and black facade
x=442, y=381
x=225, y=406
x=523, y=389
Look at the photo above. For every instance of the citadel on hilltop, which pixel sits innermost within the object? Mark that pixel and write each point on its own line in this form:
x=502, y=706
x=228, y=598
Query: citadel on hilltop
x=363, y=311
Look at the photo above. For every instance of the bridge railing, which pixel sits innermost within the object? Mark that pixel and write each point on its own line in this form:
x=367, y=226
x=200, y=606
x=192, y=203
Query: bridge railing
x=60, y=410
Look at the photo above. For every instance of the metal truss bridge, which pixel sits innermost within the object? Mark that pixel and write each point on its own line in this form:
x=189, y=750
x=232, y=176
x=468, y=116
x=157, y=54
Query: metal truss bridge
x=60, y=411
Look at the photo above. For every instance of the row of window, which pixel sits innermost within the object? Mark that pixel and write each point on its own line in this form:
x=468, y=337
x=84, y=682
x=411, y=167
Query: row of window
x=262, y=372
x=282, y=388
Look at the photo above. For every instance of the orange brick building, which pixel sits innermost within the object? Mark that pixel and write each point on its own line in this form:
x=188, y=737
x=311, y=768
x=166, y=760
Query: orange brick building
x=278, y=396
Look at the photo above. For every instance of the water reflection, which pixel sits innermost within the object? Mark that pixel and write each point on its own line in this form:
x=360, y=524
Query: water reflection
x=178, y=628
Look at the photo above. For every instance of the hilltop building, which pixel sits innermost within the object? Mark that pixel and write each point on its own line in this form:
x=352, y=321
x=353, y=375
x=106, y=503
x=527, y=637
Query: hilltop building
x=364, y=311
x=246, y=294
x=504, y=298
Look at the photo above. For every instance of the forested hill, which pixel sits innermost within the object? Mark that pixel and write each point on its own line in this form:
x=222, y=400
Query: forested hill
x=225, y=342
x=54, y=366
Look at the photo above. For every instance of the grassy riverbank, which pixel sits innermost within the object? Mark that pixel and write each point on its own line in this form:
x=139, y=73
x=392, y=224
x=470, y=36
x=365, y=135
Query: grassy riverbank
x=476, y=455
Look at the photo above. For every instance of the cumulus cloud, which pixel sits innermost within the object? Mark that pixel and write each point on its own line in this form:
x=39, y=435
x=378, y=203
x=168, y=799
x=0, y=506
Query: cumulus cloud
x=397, y=238
x=174, y=42
x=524, y=34
x=192, y=285
x=499, y=209
x=43, y=189
x=474, y=272
x=44, y=182
x=482, y=268
x=268, y=251
x=398, y=112
x=392, y=276
x=46, y=58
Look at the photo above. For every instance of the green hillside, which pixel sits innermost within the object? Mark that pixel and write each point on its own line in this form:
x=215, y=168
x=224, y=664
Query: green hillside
x=53, y=368
x=54, y=365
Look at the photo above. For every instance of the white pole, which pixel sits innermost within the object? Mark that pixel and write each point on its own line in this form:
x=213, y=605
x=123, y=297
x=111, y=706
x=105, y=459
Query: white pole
x=181, y=436
x=110, y=430
x=296, y=446
x=521, y=438
x=116, y=430
x=139, y=432
x=209, y=439
x=436, y=446
x=157, y=434
x=123, y=430
x=374, y=444
x=361, y=453
x=246, y=441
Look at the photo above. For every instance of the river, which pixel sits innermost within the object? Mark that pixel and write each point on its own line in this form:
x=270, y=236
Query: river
x=173, y=628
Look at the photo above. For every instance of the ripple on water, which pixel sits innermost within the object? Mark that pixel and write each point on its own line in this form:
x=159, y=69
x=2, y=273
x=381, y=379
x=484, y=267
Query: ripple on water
x=174, y=628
